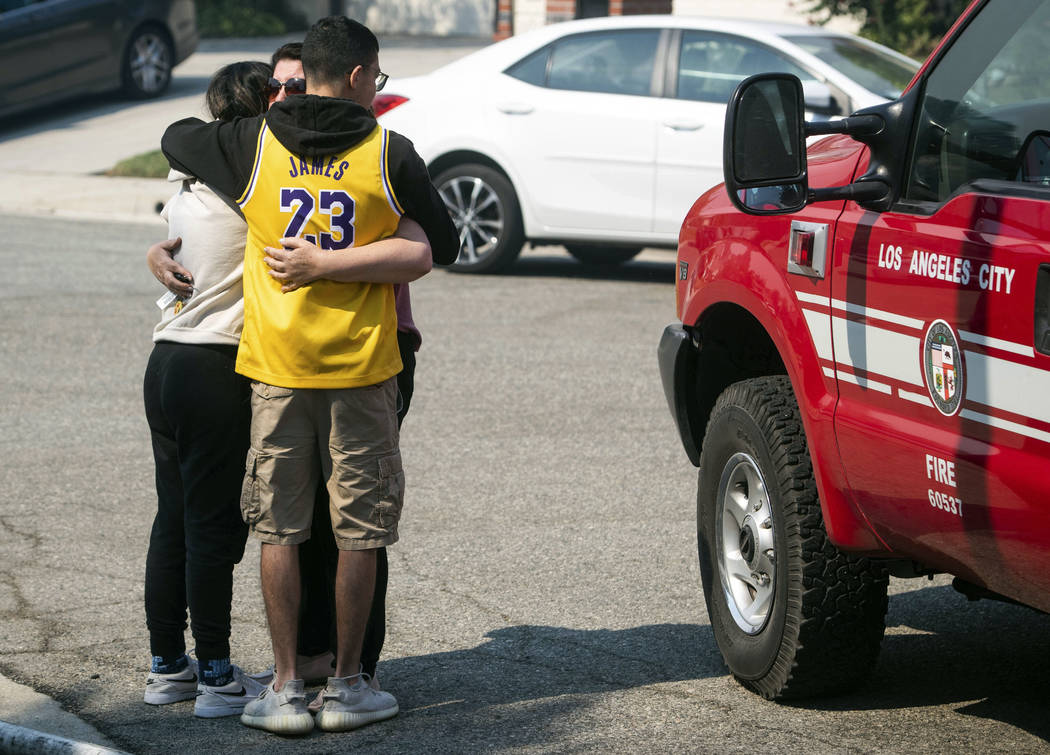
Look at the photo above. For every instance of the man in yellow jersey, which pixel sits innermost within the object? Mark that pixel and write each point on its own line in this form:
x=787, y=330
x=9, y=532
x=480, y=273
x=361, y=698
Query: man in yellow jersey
x=322, y=357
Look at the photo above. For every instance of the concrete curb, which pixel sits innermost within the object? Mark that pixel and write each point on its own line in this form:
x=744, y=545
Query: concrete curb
x=85, y=197
x=31, y=722
x=19, y=740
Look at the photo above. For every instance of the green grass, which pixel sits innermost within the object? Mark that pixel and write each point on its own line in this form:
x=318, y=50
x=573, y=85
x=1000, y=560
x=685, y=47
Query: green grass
x=147, y=165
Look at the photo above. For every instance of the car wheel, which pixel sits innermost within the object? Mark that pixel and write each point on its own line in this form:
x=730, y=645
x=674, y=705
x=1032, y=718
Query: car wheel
x=486, y=213
x=792, y=615
x=602, y=255
x=148, y=60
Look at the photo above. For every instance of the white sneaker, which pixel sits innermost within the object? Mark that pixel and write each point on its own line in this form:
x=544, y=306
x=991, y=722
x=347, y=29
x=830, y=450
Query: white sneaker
x=318, y=702
x=229, y=699
x=348, y=706
x=281, y=712
x=162, y=689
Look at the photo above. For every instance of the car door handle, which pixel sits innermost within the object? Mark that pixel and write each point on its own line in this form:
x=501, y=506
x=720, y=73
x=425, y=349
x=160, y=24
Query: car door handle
x=684, y=125
x=515, y=108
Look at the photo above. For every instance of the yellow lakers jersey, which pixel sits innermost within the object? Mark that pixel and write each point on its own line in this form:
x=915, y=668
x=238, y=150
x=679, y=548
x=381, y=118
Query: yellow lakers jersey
x=325, y=334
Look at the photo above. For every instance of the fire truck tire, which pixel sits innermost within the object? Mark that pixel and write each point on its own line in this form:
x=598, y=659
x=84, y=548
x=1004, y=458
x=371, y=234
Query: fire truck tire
x=793, y=616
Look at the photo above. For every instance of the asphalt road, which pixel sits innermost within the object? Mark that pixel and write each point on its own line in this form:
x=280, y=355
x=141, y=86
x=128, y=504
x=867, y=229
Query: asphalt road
x=545, y=594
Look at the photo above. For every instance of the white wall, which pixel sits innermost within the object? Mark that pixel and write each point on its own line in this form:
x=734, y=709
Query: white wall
x=470, y=18
x=529, y=14
x=475, y=17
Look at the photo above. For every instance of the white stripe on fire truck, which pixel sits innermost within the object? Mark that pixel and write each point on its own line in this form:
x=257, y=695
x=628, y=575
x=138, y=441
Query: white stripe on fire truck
x=918, y=398
x=999, y=384
x=1002, y=424
x=877, y=351
x=911, y=322
x=820, y=330
x=1005, y=424
x=866, y=383
x=1007, y=386
x=997, y=343
x=814, y=299
x=877, y=314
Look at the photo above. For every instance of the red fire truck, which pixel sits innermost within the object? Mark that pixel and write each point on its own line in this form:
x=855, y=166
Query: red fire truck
x=862, y=368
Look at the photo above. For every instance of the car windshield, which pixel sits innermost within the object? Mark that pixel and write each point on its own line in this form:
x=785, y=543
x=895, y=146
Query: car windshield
x=869, y=66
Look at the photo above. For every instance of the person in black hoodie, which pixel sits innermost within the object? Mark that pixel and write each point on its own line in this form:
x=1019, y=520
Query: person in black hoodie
x=322, y=357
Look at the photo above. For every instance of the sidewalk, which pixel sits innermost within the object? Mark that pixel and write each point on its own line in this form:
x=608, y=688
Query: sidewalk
x=52, y=160
x=34, y=723
x=86, y=197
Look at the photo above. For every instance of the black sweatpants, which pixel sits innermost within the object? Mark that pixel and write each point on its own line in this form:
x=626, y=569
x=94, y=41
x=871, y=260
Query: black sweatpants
x=319, y=555
x=199, y=417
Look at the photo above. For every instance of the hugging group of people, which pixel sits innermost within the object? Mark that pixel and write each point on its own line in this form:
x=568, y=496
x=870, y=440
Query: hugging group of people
x=281, y=370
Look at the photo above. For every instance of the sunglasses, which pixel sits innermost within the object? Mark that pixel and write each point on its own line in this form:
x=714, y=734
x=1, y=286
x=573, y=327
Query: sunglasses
x=292, y=86
x=381, y=80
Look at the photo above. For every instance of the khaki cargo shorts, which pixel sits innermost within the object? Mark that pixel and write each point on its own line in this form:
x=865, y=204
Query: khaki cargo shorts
x=346, y=436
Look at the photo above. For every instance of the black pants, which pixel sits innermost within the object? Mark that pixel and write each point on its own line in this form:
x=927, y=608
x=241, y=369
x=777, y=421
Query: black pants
x=199, y=416
x=318, y=557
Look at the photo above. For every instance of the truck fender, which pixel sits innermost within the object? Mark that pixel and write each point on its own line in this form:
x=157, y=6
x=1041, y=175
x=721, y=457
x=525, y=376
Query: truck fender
x=736, y=272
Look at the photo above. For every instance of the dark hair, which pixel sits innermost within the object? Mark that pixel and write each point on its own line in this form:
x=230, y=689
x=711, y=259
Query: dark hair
x=238, y=90
x=335, y=46
x=290, y=51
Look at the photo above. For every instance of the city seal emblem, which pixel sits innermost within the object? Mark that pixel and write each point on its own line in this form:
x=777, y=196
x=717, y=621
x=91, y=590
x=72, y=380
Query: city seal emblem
x=942, y=363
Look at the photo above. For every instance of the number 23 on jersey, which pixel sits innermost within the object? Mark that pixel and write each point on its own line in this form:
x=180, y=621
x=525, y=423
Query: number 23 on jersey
x=335, y=203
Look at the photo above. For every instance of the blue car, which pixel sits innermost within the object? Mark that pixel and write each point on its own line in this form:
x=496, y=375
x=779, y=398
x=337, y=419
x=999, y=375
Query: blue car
x=54, y=49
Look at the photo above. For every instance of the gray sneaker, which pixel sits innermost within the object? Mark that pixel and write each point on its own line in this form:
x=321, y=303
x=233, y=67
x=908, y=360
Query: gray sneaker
x=281, y=712
x=318, y=701
x=230, y=699
x=162, y=689
x=347, y=706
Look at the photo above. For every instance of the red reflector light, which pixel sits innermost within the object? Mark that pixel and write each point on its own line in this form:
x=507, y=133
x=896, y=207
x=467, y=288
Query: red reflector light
x=385, y=102
x=801, y=250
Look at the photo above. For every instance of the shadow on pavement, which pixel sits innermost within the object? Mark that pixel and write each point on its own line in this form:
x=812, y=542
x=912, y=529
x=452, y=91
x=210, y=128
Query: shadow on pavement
x=529, y=662
x=987, y=654
x=523, y=686
x=526, y=686
x=67, y=113
x=61, y=114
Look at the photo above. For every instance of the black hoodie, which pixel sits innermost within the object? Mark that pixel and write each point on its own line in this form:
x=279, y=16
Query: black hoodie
x=222, y=155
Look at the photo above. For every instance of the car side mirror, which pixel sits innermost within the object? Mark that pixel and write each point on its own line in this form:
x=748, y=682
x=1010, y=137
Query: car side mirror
x=764, y=152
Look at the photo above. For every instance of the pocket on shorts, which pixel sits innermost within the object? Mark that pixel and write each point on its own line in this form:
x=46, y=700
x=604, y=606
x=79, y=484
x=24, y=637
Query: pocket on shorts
x=391, y=491
x=251, y=509
x=267, y=391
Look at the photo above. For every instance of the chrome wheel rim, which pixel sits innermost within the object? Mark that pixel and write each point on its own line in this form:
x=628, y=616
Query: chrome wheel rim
x=478, y=214
x=149, y=63
x=746, y=543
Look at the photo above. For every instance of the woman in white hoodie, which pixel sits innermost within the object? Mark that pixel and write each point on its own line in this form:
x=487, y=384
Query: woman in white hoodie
x=199, y=412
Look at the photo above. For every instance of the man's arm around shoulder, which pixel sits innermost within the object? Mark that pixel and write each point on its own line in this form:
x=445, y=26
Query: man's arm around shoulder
x=401, y=258
x=219, y=153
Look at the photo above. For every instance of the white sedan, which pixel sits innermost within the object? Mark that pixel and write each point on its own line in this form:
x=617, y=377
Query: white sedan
x=599, y=134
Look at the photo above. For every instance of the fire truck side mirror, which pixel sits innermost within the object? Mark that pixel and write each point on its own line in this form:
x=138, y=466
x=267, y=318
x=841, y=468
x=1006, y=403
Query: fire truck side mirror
x=764, y=152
